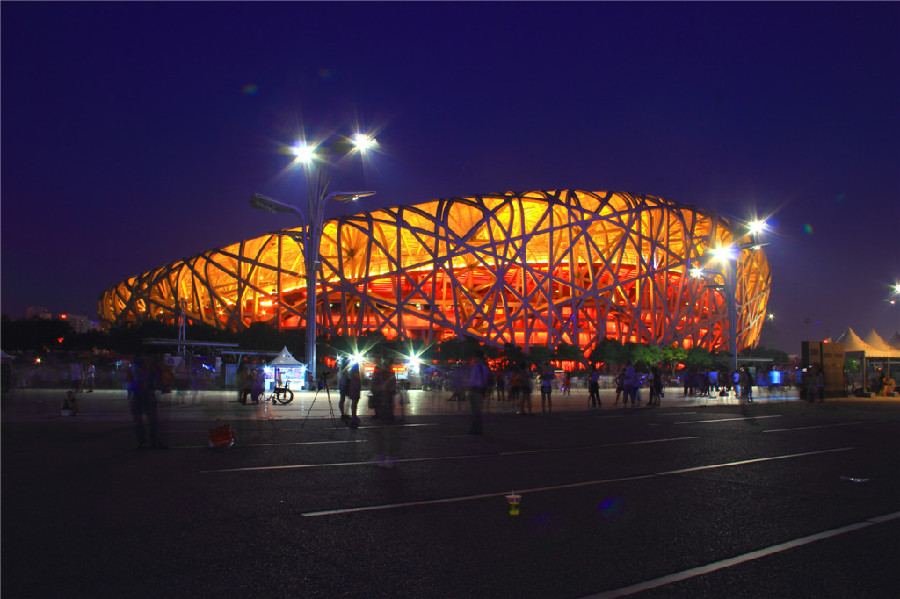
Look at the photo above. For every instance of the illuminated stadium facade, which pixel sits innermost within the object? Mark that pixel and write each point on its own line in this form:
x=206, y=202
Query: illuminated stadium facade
x=535, y=268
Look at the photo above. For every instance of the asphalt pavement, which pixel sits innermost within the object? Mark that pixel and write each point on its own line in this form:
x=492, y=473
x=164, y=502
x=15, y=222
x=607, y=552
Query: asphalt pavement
x=701, y=497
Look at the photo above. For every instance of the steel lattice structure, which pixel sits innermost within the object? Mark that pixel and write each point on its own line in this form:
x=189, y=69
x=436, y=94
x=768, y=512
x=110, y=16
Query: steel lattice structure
x=541, y=267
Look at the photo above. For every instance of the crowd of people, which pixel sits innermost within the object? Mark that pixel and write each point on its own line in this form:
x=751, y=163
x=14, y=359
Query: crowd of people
x=475, y=382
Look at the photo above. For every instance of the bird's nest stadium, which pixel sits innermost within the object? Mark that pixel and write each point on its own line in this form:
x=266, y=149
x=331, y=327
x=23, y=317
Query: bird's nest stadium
x=533, y=268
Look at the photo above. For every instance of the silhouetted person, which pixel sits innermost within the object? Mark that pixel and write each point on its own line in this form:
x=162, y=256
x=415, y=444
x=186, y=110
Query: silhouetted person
x=594, y=388
x=620, y=387
x=630, y=384
x=143, y=402
x=479, y=378
x=354, y=388
x=547, y=377
x=525, y=392
x=384, y=389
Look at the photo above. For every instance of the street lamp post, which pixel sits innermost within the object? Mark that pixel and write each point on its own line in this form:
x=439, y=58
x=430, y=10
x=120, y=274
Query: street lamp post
x=729, y=256
x=317, y=184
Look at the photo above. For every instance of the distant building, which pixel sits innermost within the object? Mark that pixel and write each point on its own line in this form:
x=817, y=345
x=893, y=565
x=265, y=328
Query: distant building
x=531, y=268
x=38, y=312
x=80, y=323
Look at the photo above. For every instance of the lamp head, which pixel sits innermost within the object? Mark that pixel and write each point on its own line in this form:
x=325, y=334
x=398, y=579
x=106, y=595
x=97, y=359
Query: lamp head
x=349, y=196
x=261, y=202
x=756, y=227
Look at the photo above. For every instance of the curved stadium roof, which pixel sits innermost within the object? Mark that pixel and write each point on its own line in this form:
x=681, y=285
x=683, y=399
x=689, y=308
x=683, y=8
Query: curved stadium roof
x=539, y=267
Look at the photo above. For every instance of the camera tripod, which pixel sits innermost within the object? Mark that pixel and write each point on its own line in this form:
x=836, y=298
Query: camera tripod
x=319, y=387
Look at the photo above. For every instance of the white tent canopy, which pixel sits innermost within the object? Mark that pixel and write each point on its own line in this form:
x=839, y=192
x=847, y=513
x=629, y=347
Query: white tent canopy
x=853, y=344
x=874, y=339
x=285, y=360
x=894, y=341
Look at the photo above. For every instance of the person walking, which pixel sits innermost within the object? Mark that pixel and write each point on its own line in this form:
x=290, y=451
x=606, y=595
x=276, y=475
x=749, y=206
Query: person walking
x=524, y=387
x=343, y=386
x=629, y=385
x=384, y=389
x=547, y=377
x=479, y=378
x=90, y=375
x=594, y=388
x=501, y=386
x=354, y=388
x=76, y=373
x=147, y=379
x=655, y=386
x=620, y=387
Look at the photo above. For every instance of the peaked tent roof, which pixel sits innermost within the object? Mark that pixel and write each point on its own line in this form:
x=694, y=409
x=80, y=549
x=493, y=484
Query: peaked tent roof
x=894, y=341
x=875, y=340
x=285, y=359
x=852, y=343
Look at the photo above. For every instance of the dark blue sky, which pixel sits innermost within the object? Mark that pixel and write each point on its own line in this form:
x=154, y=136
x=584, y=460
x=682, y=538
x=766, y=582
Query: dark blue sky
x=133, y=134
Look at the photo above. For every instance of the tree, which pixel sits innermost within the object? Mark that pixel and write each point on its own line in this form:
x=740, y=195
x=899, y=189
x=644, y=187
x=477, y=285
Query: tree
x=539, y=354
x=646, y=356
x=513, y=355
x=566, y=352
x=699, y=358
x=674, y=355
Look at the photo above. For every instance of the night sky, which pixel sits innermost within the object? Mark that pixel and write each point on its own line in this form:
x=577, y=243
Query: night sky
x=133, y=134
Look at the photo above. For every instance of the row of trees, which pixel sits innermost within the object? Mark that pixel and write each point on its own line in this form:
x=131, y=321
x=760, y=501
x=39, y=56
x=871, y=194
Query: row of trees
x=43, y=336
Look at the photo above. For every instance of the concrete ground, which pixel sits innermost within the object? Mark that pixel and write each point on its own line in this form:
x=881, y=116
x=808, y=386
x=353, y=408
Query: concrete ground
x=697, y=498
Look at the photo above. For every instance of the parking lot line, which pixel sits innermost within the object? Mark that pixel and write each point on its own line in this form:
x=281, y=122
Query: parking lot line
x=729, y=419
x=806, y=428
x=574, y=485
x=740, y=559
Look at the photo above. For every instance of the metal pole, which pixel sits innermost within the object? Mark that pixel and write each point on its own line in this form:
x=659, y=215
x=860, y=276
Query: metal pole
x=316, y=187
x=312, y=256
x=731, y=272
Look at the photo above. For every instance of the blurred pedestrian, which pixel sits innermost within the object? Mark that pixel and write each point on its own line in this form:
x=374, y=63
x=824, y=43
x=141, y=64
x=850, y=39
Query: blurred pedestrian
x=594, y=388
x=515, y=385
x=384, y=389
x=147, y=379
x=354, y=388
x=501, y=386
x=479, y=378
x=547, y=377
x=655, y=386
x=91, y=373
x=525, y=392
x=620, y=387
x=629, y=384
x=343, y=385
x=76, y=374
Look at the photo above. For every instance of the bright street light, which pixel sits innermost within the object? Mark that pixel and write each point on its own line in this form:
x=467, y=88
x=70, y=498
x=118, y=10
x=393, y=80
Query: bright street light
x=756, y=227
x=314, y=157
x=728, y=256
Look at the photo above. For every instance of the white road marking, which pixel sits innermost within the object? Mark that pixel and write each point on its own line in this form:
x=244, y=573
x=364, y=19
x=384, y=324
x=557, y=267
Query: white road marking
x=524, y=451
x=299, y=466
x=304, y=443
x=729, y=419
x=588, y=483
x=754, y=460
x=740, y=559
x=806, y=428
x=432, y=459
